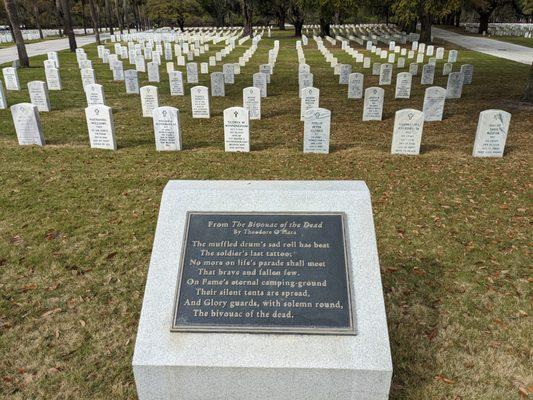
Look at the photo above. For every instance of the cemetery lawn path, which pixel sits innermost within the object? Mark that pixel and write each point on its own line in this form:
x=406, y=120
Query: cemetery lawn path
x=453, y=231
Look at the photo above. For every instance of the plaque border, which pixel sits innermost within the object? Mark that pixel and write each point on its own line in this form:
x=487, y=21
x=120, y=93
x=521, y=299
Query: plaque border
x=349, y=330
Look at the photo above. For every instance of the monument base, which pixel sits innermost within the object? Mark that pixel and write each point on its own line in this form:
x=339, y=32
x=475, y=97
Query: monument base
x=263, y=366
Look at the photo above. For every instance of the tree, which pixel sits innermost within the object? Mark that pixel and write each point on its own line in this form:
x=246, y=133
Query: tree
x=94, y=20
x=217, y=9
x=12, y=15
x=247, y=16
x=528, y=93
x=327, y=11
x=280, y=10
x=296, y=16
x=67, y=22
x=408, y=12
x=485, y=8
x=168, y=12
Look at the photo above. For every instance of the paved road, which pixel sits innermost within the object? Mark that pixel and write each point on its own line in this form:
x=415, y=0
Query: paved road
x=493, y=47
x=10, y=54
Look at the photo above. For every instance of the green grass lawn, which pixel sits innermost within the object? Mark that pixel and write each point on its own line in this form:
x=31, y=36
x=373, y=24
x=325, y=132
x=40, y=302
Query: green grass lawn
x=4, y=45
x=77, y=225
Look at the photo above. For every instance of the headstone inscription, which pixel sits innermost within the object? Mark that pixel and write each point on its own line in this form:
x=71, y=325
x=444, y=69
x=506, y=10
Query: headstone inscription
x=317, y=123
x=217, y=84
x=185, y=341
x=11, y=78
x=228, y=71
x=53, y=80
x=413, y=69
x=192, y=72
x=251, y=100
x=200, y=102
x=491, y=133
x=94, y=94
x=403, y=85
x=153, y=72
x=175, y=79
x=434, y=100
x=385, y=74
x=309, y=99
x=373, y=104
x=39, y=95
x=236, y=129
x=355, y=85
x=428, y=74
x=27, y=124
x=407, y=134
x=260, y=81
x=131, y=81
x=167, y=128
x=149, y=100
x=101, y=127
x=454, y=87
x=345, y=71
x=87, y=76
x=468, y=73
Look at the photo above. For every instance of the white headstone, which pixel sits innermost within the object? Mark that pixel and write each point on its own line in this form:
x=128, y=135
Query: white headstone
x=11, y=78
x=101, y=127
x=454, y=88
x=251, y=100
x=434, y=100
x=39, y=95
x=27, y=124
x=175, y=79
x=373, y=104
x=87, y=76
x=236, y=129
x=228, y=71
x=355, y=85
x=317, y=125
x=491, y=133
x=94, y=94
x=413, y=69
x=385, y=74
x=260, y=82
x=468, y=73
x=167, y=128
x=428, y=74
x=200, y=102
x=153, y=72
x=192, y=72
x=452, y=56
x=218, y=88
x=53, y=80
x=3, y=99
x=403, y=85
x=132, y=81
x=149, y=99
x=447, y=69
x=310, y=98
x=345, y=71
x=407, y=134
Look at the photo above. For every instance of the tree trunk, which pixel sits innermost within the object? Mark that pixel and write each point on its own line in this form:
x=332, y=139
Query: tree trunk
x=120, y=21
x=484, y=21
x=12, y=15
x=59, y=17
x=324, y=26
x=35, y=10
x=67, y=21
x=298, y=25
x=84, y=23
x=181, y=22
x=528, y=93
x=281, y=21
x=94, y=19
x=458, y=18
x=109, y=15
x=425, y=28
x=247, y=15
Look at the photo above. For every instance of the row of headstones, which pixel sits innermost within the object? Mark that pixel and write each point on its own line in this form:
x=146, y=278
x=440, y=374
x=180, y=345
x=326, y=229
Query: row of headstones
x=491, y=133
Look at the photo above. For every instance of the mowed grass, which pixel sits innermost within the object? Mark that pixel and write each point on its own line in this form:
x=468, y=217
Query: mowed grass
x=77, y=225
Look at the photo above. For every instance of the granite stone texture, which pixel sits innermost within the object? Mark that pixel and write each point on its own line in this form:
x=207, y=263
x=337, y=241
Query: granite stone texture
x=242, y=366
